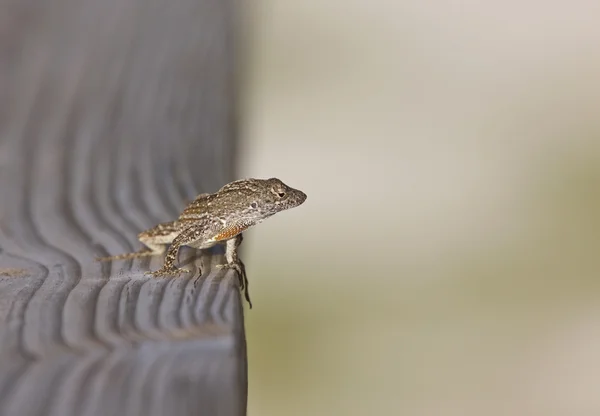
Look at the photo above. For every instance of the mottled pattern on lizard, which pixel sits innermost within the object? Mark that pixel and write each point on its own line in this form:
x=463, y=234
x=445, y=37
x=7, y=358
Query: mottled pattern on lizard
x=217, y=218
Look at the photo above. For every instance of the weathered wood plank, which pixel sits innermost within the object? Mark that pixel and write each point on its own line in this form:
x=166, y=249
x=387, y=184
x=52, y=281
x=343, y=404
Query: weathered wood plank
x=112, y=114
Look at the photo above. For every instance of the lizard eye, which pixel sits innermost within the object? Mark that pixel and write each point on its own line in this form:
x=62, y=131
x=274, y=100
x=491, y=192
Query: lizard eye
x=253, y=205
x=278, y=191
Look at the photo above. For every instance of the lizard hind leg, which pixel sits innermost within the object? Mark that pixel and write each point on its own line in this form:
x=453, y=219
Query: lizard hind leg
x=155, y=239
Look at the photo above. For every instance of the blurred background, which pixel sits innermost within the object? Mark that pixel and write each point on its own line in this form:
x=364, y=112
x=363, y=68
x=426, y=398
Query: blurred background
x=446, y=260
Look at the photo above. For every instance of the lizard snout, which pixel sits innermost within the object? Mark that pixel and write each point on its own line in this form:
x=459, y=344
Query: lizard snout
x=302, y=197
x=299, y=197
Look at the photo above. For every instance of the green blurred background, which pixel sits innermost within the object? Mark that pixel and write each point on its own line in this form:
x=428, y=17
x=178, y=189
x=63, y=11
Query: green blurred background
x=446, y=261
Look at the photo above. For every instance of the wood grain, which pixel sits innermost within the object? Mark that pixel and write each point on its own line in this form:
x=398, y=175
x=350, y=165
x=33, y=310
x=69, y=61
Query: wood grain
x=112, y=114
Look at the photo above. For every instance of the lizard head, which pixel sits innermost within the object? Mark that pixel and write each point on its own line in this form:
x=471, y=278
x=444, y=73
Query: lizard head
x=253, y=200
x=273, y=196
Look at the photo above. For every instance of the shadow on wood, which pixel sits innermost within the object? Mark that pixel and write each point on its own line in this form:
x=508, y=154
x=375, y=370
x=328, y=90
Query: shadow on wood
x=112, y=114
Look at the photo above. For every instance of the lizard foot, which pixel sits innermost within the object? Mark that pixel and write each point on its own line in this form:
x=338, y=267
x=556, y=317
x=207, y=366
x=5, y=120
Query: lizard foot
x=167, y=272
x=240, y=268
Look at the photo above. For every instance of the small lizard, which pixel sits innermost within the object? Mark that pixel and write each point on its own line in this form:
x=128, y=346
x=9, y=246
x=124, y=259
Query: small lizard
x=217, y=218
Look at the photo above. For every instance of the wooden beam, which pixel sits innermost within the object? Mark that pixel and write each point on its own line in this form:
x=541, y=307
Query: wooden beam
x=112, y=114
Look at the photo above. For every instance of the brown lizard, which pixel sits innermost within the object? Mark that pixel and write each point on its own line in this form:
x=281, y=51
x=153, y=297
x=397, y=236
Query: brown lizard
x=217, y=218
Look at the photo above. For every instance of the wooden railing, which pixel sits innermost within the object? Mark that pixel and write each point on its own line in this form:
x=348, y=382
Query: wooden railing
x=113, y=113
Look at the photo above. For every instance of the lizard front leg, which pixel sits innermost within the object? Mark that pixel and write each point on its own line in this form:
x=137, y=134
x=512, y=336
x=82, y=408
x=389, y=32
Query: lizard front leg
x=234, y=262
x=187, y=237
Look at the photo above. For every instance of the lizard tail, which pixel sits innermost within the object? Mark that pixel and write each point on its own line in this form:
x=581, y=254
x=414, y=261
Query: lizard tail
x=143, y=253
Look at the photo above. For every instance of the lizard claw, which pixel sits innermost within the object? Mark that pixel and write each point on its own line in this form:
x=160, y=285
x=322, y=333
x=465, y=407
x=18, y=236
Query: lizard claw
x=167, y=272
x=240, y=268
